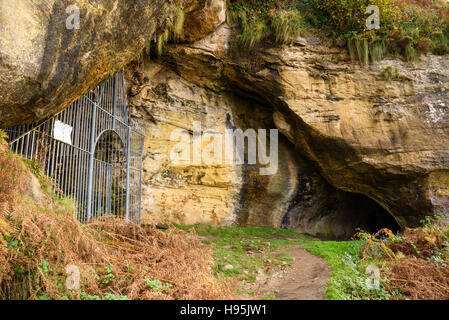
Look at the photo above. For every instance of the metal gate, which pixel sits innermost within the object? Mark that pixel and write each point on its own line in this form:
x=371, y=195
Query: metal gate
x=92, y=151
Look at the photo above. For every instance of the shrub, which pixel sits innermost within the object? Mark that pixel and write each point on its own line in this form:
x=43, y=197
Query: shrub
x=3, y=137
x=253, y=34
x=161, y=41
x=408, y=27
x=114, y=257
x=349, y=16
x=286, y=25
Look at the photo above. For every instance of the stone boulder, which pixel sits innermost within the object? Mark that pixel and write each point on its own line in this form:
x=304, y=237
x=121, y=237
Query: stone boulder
x=203, y=18
x=44, y=65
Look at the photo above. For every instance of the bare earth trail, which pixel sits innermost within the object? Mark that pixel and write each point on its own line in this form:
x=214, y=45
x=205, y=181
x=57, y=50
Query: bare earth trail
x=305, y=279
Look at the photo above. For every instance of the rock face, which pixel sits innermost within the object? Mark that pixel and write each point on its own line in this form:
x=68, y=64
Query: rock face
x=203, y=19
x=162, y=102
x=44, y=65
x=384, y=138
x=295, y=197
x=359, y=146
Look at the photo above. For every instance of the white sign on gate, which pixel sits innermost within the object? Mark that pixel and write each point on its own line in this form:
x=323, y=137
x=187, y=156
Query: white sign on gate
x=62, y=132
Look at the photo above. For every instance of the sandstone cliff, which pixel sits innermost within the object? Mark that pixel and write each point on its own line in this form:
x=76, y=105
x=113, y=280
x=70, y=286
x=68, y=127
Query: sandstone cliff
x=365, y=133
x=296, y=197
x=360, y=146
x=48, y=59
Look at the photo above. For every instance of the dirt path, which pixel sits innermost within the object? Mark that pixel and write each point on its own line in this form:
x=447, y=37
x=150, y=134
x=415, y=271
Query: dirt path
x=306, y=279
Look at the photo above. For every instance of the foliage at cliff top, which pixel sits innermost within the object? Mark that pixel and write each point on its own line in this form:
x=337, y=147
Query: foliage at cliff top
x=407, y=27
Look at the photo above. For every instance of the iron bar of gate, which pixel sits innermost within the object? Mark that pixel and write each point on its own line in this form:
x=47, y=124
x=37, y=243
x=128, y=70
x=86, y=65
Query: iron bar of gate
x=91, y=162
x=140, y=178
x=114, y=102
x=128, y=159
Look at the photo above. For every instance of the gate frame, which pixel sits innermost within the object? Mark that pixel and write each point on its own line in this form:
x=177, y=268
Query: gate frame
x=117, y=115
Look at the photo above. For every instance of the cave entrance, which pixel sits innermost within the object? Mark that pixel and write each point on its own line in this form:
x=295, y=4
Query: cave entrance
x=325, y=212
x=297, y=196
x=319, y=209
x=373, y=216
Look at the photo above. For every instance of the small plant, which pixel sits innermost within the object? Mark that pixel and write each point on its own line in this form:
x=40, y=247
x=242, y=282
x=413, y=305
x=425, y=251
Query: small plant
x=109, y=277
x=410, y=53
x=3, y=137
x=286, y=25
x=426, y=222
x=45, y=268
x=377, y=50
x=107, y=296
x=173, y=31
x=253, y=34
x=178, y=23
x=155, y=285
x=390, y=73
x=161, y=41
x=111, y=296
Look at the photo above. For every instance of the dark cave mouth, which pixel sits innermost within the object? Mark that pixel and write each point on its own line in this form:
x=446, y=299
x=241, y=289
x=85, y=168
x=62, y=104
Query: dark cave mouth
x=338, y=215
x=372, y=217
x=350, y=211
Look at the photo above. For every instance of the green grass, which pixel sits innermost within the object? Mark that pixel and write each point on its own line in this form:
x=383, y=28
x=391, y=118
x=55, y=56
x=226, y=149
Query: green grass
x=286, y=25
x=347, y=278
x=247, y=249
x=363, y=51
x=250, y=249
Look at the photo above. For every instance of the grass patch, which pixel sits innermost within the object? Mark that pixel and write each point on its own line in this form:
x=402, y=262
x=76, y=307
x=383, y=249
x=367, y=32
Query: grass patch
x=348, y=276
x=250, y=249
x=390, y=73
x=172, y=30
x=3, y=137
x=247, y=249
x=278, y=21
x=286, y=25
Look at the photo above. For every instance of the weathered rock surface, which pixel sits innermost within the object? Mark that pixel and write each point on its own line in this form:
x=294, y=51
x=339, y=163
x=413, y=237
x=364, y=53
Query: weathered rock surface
x=162, y=102
x=295, y=197
x=354, y=144
x=44, y=66
x=386, y=139
x=202, y=19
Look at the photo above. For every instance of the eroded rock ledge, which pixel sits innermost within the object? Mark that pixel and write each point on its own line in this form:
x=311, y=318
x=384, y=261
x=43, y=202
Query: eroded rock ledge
x=44, y=66
x=384, y=138
x=296, y=197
